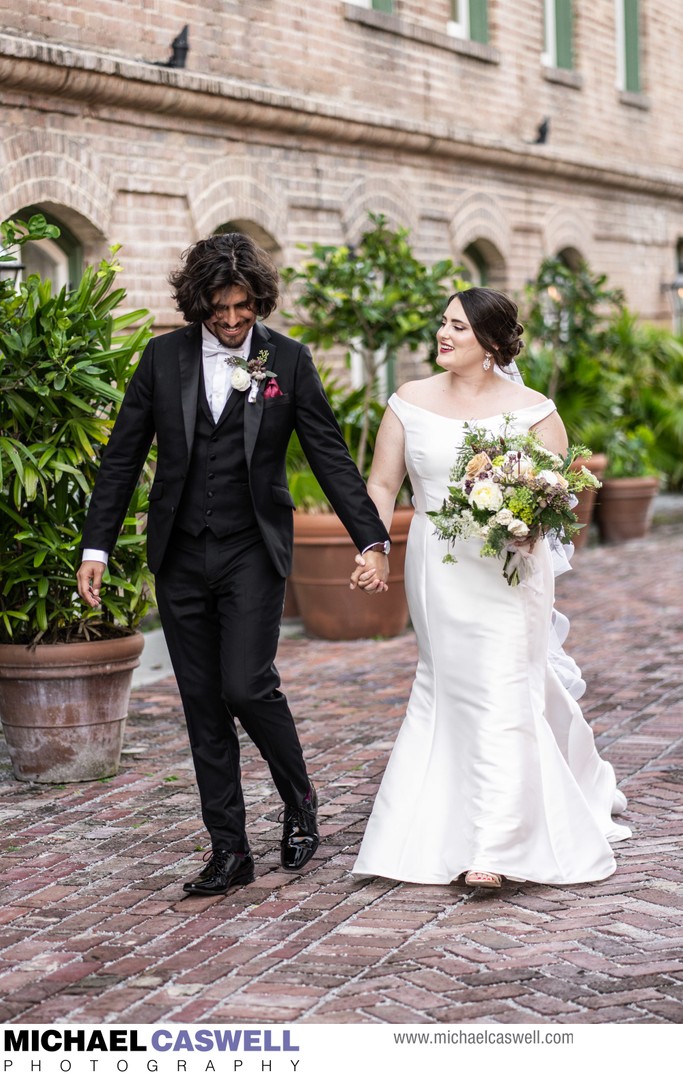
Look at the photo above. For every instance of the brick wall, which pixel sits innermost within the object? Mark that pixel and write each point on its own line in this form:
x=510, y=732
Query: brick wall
x=299, y=118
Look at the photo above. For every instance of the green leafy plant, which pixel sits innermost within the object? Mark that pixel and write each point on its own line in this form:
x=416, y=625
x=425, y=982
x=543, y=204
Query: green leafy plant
x=372, y=299
x=618, y=383
x=65, y=360
x=568, y=317
x=629, y=452
x=354, y=416
x=649, y=359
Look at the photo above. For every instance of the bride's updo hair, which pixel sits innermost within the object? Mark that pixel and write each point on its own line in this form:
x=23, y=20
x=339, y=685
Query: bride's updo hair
x=493, y=318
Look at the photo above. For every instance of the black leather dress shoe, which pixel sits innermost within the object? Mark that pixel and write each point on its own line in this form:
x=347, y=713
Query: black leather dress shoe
x=300, y=836
x=223, y=870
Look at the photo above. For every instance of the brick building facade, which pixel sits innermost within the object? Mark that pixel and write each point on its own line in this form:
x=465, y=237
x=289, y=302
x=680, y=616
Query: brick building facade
x=292, y=120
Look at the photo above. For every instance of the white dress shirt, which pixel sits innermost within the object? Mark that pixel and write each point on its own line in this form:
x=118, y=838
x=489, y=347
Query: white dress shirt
x=217, y=374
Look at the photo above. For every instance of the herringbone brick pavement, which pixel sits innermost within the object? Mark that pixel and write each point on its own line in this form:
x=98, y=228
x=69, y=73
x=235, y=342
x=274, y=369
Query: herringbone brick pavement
x=94, y=927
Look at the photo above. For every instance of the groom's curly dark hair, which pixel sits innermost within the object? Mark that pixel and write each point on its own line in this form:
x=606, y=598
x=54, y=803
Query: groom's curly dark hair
x=230, y=259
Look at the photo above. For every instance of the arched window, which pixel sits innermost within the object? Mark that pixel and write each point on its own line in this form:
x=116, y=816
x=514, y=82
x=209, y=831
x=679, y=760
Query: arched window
x=571, y=258
x=674, y=288
x=260, y=236
x=59, y=260
x=483, y=265
x=475, y=267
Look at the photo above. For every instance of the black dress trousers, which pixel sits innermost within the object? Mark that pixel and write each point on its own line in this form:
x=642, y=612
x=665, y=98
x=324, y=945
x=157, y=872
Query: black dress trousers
x=220, y=602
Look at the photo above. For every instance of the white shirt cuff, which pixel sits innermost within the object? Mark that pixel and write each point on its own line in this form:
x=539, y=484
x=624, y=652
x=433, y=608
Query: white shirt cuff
x=378, y=542
x=95, y=554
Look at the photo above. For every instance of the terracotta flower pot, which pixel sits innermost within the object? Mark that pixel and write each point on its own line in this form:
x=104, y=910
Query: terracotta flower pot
x=63, y=707
x=625, y=507
x=323, y=561
x=596, y=464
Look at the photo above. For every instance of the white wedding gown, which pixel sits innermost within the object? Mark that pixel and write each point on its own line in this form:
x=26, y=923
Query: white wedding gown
x=494, y=767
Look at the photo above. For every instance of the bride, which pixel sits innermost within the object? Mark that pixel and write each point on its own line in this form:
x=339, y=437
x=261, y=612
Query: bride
x=494, y=772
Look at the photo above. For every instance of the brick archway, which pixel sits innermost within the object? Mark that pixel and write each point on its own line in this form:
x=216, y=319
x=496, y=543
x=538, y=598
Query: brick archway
x=57, y=172
x=564, y=230
x=233, y=190
x=479, y=220
x=374, y=195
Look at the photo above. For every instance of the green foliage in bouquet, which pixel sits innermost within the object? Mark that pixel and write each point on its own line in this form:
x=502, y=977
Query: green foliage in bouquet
x=65, y=360
x=508, y=491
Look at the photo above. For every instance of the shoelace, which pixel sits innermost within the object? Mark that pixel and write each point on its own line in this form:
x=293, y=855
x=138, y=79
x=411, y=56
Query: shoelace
x=209, y=856
x=303, y=816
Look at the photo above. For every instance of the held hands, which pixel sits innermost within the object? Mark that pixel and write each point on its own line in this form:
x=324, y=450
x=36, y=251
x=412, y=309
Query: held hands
x=372, y=572
x=89, y=577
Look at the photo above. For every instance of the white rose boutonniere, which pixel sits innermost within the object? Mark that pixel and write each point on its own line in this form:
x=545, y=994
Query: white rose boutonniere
x=249, y=373
x=240, y=379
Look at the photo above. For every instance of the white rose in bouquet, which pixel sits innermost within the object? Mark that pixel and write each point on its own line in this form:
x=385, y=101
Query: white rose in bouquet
x=504, y=517
x=486, y=495
x=240, y=379
x=518, y=528
x=522, y=465
x=553, y=478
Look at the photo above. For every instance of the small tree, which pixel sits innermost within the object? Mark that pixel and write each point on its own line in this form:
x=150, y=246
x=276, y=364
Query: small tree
x=65, y=360
x=618, y=383
x=373, y=299
x=567, y=316
x=650, y=361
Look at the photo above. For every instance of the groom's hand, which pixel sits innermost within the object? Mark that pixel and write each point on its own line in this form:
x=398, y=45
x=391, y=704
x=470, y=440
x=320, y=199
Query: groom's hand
x=372, y=573
x=89, y=578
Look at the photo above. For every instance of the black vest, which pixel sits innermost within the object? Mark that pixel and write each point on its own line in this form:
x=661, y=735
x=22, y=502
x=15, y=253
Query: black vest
x=216, y=494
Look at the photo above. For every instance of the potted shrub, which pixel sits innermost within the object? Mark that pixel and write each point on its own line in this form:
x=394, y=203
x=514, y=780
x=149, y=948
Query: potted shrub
x=323, y=551
x=372, y=300
x=649, y=359
x=618, y=383
x=64, y=671
x=625, y=502
x=569, y=317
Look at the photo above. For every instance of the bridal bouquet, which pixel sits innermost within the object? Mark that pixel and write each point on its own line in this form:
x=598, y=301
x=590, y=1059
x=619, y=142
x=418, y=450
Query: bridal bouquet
x=509, y=491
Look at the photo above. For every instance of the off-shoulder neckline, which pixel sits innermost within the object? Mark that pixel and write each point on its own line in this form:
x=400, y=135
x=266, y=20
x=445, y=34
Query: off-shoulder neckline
x=484, y=418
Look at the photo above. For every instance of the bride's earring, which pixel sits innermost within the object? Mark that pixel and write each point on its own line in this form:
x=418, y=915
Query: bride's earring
x=487, y=360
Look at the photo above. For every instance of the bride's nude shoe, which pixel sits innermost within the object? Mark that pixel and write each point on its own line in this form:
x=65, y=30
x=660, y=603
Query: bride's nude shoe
x=483, y=879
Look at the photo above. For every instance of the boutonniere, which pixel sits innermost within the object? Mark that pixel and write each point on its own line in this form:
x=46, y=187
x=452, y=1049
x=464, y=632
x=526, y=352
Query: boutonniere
x=249, y=373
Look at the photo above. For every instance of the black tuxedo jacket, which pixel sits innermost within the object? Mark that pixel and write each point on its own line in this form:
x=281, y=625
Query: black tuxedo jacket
x=161, y=402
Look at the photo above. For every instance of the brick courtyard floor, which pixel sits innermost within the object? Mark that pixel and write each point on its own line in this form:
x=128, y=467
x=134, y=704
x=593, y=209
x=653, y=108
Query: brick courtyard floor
x=94, y=927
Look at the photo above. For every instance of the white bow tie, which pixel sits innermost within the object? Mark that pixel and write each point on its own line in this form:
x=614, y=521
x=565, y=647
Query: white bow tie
x=221, y=353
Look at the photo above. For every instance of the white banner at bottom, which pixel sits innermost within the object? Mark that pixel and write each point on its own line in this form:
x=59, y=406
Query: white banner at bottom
x=243, y=1049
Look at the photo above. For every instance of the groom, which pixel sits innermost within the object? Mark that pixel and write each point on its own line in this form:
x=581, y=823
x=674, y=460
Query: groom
x=222, y=398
